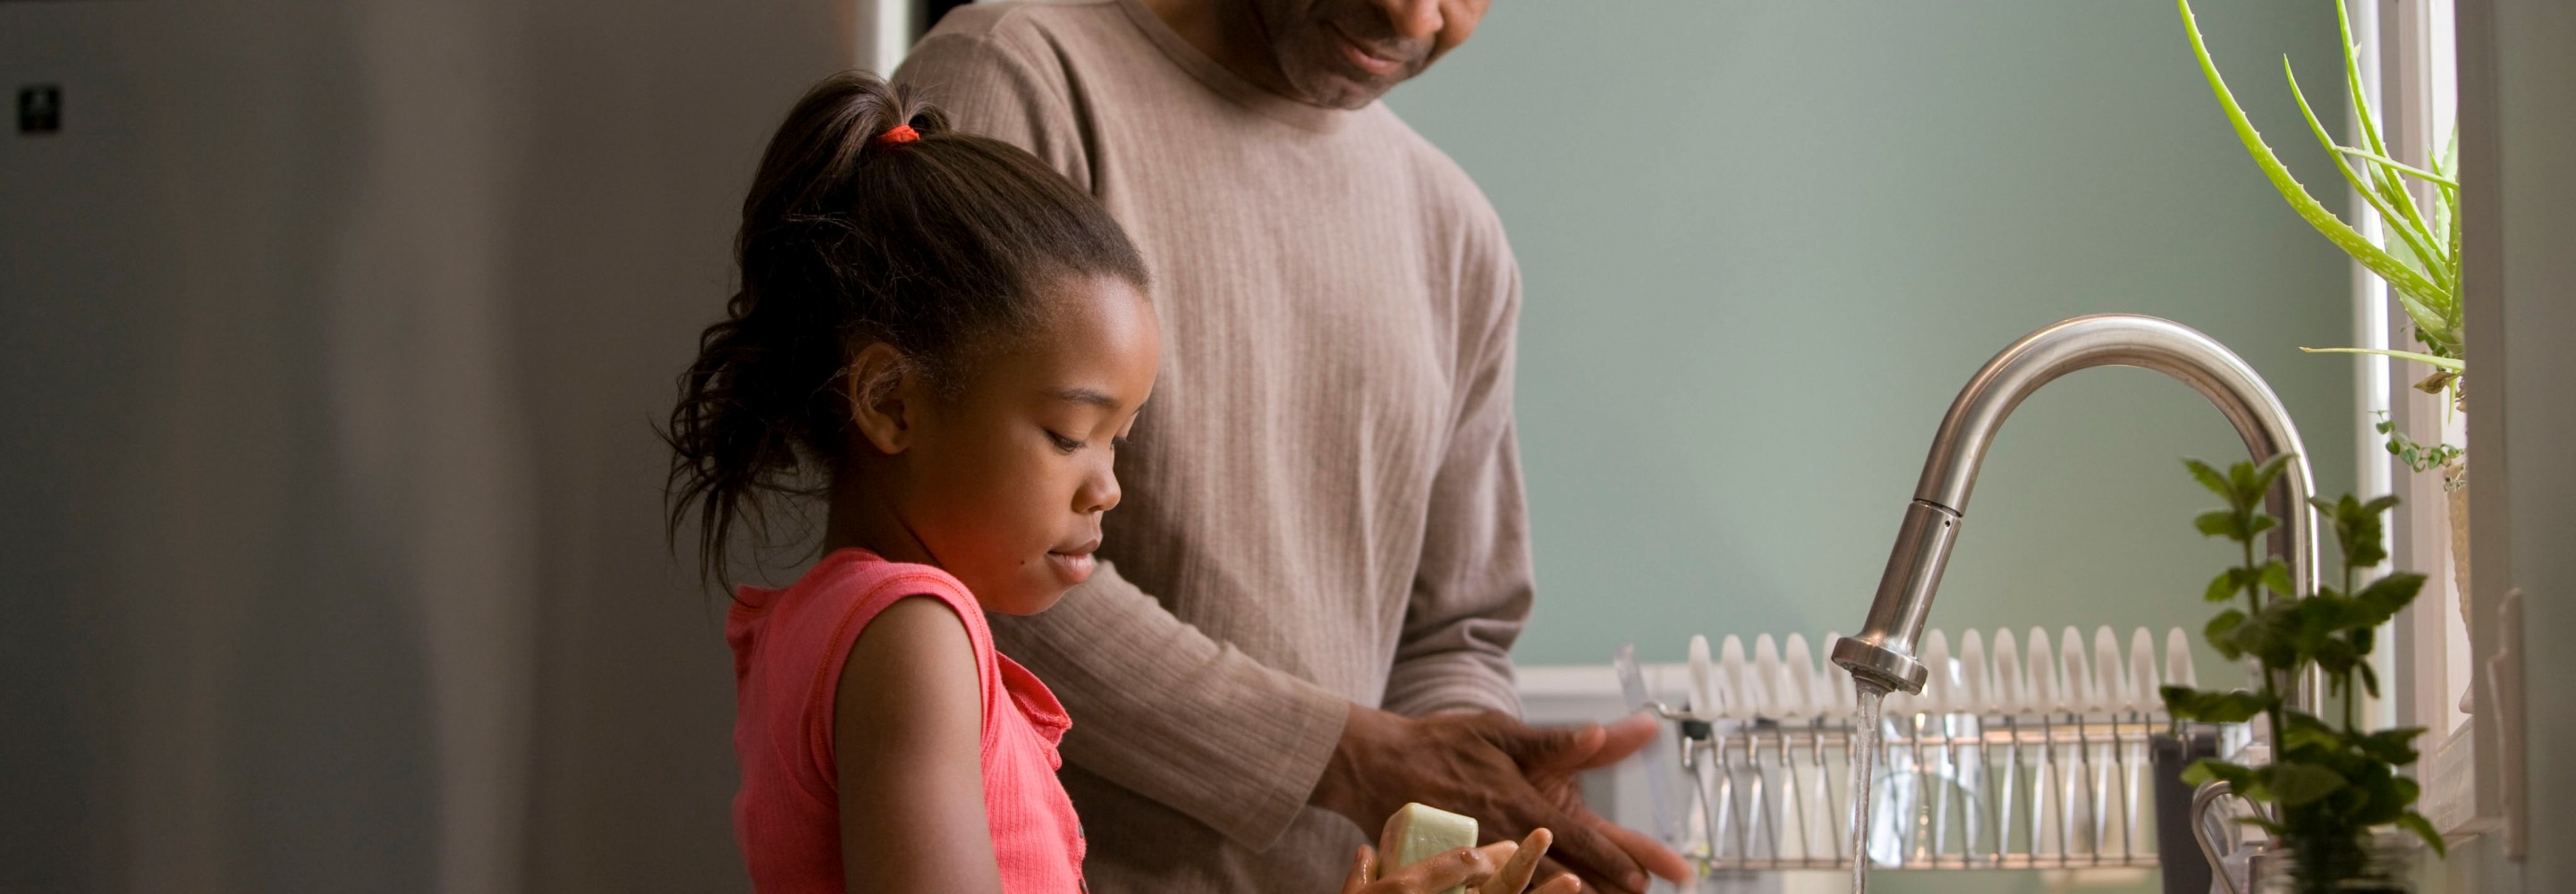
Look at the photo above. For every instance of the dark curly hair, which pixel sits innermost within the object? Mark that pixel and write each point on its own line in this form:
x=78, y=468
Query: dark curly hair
x=937, y=246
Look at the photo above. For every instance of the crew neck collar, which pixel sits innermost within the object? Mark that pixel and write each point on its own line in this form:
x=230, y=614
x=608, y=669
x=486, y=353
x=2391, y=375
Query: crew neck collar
x=1225, y=82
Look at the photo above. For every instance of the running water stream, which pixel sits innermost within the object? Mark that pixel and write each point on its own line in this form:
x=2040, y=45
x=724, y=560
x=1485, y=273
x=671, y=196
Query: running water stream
x=1864, y=765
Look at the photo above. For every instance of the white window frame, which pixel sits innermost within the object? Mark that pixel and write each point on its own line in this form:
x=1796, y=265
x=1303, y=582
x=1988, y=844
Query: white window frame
x=2410, y=70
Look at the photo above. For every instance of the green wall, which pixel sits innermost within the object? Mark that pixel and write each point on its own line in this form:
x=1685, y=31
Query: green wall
x=1765, y=242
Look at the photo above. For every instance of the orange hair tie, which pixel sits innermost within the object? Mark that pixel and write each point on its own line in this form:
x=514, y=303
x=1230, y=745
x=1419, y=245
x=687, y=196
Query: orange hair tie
x=898, y=134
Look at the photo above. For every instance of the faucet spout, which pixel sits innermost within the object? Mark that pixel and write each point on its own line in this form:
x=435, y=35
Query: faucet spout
x=1884, y=651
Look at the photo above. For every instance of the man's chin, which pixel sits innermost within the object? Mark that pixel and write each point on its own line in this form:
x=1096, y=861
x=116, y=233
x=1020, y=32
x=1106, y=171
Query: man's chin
x=1323, y=79
x=1339, y=92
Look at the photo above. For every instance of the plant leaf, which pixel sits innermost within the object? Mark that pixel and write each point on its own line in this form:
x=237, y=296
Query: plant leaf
x=2276, y=577
x=2398, y=275
x=2399, y=166
x=2451, y=210
x=2314, y=619
x=2220, y=523
x=2394, y=746
x=2297, y=784
x=2269, y=472
x=2403, y=791
x=2380, y=601
x=2382, y=797
x=2352, y=78
x=2208, y=476
x=2423, y=828
x=2217, y=633
x=2246, y=783
x=2216, y=707
x=2419, y=240
x=2396, y=213
x=2369, y=127
x=2359, y=532
x=2434, y=316
x=2224, y=586
x=2259, y=524
x=2427, y=359
x=2299, y=730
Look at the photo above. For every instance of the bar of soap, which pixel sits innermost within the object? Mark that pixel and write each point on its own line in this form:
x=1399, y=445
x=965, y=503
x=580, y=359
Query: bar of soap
x=1419, y=832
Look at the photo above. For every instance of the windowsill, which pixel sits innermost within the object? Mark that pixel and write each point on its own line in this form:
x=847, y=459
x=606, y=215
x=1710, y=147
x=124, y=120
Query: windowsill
x=2451, y=786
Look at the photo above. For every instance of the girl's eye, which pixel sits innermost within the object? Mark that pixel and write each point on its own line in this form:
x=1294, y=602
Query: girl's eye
x=1063, y=443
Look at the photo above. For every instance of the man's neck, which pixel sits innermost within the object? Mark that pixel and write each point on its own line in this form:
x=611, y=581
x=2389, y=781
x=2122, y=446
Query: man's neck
x=1227, y=32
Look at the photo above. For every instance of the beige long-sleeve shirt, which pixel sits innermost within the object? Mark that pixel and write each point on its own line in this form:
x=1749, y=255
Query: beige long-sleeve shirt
x=1322, y=501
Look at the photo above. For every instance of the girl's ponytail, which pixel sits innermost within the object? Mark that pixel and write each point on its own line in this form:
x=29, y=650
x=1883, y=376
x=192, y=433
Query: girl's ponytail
x=869, y=221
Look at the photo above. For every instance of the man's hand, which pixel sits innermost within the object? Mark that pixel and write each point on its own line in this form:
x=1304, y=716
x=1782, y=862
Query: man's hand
x=1513, y=778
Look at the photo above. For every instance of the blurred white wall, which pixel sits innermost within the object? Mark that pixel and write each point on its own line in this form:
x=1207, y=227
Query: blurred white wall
x=332, y=336
x=2516, y=50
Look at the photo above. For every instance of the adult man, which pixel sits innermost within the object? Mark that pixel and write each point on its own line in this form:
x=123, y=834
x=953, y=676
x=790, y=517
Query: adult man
x=1322, y=557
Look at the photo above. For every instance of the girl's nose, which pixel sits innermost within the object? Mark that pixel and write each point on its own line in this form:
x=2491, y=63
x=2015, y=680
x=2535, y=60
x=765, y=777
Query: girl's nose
x=1099, y=494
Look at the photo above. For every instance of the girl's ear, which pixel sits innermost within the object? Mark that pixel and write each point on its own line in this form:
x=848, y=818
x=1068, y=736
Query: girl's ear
x=882, y=393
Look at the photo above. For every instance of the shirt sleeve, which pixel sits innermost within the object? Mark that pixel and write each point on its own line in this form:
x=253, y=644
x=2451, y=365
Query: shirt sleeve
x=1159, y=707
x=1172, y=714
x=1473, y=589
x=993, y=88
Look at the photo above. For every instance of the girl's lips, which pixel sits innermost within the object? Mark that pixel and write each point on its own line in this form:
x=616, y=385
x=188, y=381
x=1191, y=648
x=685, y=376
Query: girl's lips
x=1074, y=568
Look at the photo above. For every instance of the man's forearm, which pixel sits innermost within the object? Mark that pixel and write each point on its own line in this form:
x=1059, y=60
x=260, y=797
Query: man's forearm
x=1345, y=786
x=1165, y=711
x=1444, y=681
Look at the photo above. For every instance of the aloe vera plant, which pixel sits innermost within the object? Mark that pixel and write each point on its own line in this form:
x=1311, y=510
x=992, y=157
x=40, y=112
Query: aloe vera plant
x=2421, y=258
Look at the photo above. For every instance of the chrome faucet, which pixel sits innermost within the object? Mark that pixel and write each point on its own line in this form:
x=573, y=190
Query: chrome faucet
x=1883, y=653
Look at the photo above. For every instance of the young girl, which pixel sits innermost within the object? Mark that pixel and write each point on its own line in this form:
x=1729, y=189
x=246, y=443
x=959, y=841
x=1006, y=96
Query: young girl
x=947, y=342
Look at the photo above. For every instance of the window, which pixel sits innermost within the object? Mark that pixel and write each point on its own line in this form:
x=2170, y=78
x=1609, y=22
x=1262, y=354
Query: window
x=2411, y=69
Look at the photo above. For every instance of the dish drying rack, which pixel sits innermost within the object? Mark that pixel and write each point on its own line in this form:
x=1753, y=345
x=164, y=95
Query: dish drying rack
x=2024, y=756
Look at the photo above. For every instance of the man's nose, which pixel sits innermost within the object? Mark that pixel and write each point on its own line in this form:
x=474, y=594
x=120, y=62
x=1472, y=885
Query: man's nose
x=1412, y=19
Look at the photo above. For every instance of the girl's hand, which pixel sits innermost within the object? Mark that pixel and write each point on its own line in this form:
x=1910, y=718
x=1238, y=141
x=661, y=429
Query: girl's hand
x=1519, y=778
x=1502, y=867
x=1521, y=861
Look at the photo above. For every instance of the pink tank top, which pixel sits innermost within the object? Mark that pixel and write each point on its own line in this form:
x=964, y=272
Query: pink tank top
x=788, y=646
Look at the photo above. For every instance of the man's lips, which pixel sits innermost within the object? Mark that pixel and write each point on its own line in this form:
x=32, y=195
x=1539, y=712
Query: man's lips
x=1360, y=56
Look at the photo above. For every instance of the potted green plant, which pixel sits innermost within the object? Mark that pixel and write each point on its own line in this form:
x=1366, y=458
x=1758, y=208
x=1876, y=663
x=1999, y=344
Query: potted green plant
x=2419, y=257
x=2329, y=783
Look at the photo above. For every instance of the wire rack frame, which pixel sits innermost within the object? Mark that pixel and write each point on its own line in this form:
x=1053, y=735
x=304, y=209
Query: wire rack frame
x=1952, y=791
